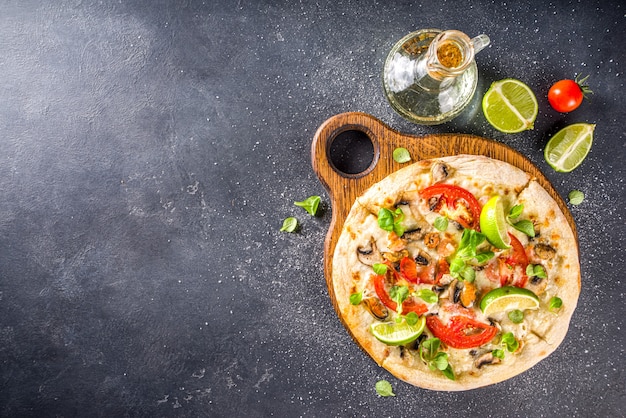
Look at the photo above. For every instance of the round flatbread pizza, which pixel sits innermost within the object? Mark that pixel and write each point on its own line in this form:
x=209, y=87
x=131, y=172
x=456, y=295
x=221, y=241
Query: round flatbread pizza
x=456, y=273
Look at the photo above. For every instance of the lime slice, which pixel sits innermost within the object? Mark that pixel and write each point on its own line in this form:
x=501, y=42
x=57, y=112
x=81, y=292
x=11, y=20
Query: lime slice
x=569, y=146
x=510, y=106
x=393, y=333
x=493, y=223
x=507, y=298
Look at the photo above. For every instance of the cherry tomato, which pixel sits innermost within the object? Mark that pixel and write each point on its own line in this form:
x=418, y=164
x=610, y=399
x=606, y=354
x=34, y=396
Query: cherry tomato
x=456, y=203
x=461, y=331
x=566, y=95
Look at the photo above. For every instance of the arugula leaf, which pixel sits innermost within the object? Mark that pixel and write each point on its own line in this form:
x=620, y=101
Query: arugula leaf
x=383, y=388
x=441, y=223
x=310, y=204
x=289, y=225
x=355, y=298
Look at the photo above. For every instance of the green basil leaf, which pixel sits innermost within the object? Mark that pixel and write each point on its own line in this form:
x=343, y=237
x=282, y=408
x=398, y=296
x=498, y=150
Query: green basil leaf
x=427, y=295
x=484, y=257
x=468, y=274
x=516, y=211
x=380, y=268
x=498, y=353
x=412, y=318
x=441, y=360
x=510, y=342
x=356, y=298
x=383, y=388
x=536, y=270
x=289, y=225
x=401, y=155
x=428, y=349
x=385, y=219
x=526, y=227
x=310, y=204
x=576, y=197
x=516, y=316
x=399, y=294
x=448, y=373
x=555, y=303
x=441, y=223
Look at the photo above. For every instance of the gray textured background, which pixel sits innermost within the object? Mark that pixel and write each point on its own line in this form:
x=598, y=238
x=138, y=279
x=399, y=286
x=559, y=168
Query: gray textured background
x=149, y=151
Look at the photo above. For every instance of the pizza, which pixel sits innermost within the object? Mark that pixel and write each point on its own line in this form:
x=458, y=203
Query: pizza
x=448, y=290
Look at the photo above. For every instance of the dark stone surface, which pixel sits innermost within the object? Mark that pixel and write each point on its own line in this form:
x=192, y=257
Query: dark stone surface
x=149, y=151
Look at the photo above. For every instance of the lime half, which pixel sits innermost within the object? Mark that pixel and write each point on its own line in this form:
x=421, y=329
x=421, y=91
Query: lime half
x=493, y=223
x=567, y=149
x=510, y=106
x=393, y=333
x=507, y=298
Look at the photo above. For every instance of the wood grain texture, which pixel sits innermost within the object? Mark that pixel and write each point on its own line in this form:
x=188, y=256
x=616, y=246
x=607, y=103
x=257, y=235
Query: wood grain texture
x=343, y=189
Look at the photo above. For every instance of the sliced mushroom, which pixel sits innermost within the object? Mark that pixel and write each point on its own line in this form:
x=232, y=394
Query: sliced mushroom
x=422, y=259
x=486, y=359
x=376, y=308
x=413, y=235
x=369, y=255
x=544, y=251
x=440, y=171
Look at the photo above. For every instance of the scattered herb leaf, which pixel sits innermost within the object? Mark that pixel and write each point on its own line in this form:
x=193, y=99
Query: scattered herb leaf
x=401, y=155
x=399, y=295
x=536, y=270
x=516, y=211
x=468, y=251
x=441, y=223
x=498, y=353
x=576, y=197
x=289, y=225
x=391, y=221
x=356, y=298
x=427, y=295
x=412, y=318
x=525, y=226
x=310, y=204
x=510, y=342
x=436, y=360
x=516, y=316
x=380, y=268
x=383, y=388
x=555, y=303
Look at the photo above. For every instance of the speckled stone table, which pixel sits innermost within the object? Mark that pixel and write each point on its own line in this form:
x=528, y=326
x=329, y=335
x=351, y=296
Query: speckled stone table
x=150, y=150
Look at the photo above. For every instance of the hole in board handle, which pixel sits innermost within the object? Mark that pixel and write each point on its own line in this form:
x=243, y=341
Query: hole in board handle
x=352, y=153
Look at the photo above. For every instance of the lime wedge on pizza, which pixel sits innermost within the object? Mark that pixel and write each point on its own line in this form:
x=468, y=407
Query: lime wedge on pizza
x=393, y=333
x=510, y=106
x=507, y=298
x=493, y=223
x=567, y=149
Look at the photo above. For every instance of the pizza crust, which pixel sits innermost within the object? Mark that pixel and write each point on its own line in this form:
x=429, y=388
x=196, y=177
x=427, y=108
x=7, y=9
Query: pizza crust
x=483, y=177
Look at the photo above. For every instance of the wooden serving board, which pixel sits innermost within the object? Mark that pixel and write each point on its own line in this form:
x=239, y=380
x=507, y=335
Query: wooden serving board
x=345, y=188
